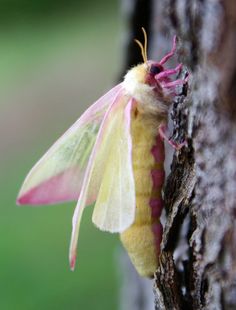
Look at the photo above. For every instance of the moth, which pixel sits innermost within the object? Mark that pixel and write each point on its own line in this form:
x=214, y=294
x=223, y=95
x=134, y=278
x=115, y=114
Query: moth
x=113, y=157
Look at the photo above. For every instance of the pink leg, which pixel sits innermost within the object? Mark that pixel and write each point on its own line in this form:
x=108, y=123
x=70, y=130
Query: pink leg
x=162, y=132
x=170, y=54
x=176, y=82
x=166, y=73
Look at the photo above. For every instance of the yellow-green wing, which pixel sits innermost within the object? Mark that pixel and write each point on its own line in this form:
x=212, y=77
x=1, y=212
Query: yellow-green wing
x=58, y=176
x=115, y=204
x=109, y=175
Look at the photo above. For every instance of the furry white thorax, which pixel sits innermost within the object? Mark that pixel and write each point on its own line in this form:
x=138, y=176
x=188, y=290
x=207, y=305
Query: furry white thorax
x=144, y=94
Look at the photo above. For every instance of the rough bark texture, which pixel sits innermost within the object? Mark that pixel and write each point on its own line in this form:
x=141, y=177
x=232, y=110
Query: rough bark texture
x=198, y=269
x=198, y=260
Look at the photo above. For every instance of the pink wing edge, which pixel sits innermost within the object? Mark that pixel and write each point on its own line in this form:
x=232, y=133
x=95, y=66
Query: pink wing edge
x=51, y=191
x=82, y=199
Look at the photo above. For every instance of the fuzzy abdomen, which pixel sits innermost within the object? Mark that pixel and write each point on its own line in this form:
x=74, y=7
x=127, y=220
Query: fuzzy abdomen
x=142, y=239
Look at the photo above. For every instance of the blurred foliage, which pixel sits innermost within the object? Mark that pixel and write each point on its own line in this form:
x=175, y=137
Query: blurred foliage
x=15, y=10
x=28, y=41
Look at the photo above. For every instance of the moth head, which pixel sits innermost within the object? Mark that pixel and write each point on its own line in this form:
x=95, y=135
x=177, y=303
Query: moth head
x=152, y=79
x=152, y=68
x=156, y=75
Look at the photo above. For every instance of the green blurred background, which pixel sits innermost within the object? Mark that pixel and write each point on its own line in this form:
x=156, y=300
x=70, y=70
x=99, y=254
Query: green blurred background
x=56, y=58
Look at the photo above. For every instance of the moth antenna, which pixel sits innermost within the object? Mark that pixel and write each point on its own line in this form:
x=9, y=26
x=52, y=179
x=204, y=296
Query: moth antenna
x=143, y=47
x=145, y=43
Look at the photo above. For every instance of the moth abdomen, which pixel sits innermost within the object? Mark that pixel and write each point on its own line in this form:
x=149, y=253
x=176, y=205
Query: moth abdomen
x=142, y=239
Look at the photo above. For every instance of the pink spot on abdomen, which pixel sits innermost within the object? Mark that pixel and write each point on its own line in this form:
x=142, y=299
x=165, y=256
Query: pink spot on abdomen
x=158, y=150
x=158, y=177
x=156, y=205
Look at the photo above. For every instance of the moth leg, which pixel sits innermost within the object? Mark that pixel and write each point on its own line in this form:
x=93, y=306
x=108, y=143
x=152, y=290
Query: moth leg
x=176, y=82
x=163, y=133
x=173, y=83
x=166, y=73
x=171, y=53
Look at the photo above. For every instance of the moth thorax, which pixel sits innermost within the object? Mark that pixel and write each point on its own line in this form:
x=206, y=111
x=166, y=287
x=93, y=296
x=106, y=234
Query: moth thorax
x=136, y=86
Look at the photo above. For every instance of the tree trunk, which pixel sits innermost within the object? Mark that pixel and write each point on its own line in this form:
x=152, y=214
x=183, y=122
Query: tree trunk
x=198, y=259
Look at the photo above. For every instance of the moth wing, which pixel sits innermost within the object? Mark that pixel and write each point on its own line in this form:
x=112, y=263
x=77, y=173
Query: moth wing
x=58, y=175
x=110, y=175
x=114, y=209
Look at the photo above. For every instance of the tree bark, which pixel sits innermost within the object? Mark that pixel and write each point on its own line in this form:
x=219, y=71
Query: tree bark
x=198, y=259
x=198, y=269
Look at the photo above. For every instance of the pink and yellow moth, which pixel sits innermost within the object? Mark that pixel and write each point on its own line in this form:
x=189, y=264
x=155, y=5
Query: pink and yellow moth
x=113, y=156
